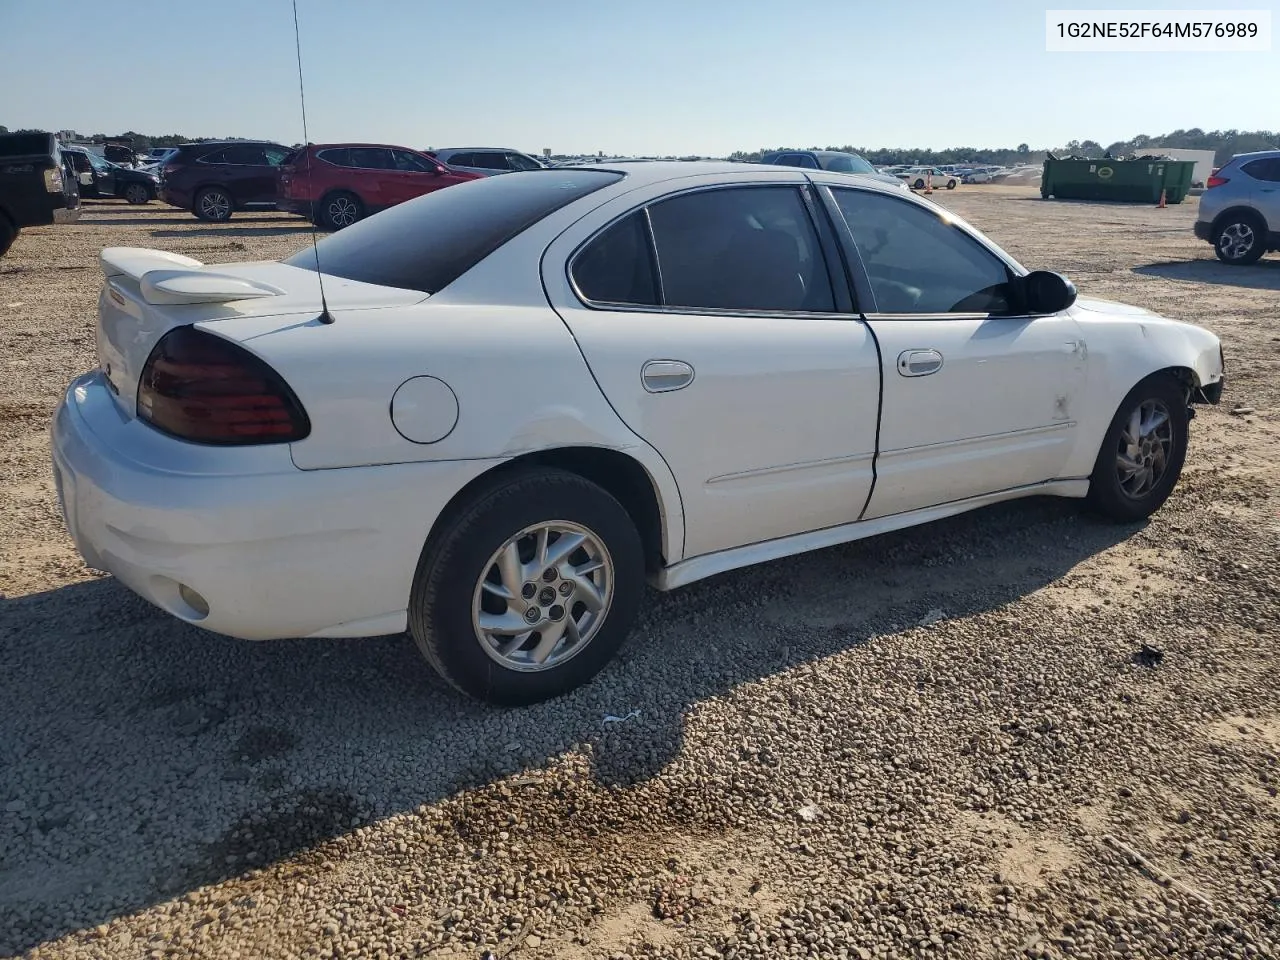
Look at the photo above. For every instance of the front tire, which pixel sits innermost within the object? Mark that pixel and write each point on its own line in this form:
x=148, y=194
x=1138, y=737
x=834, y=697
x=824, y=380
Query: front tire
x=1240, y=239
x=951, y=184
x=529, y=590
x=213, y=204
x=1143, y=451
x=137, y=193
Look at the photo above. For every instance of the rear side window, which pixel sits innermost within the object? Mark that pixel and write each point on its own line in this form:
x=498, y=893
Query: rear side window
x=1266, y=168
x=427, y=243
x=617, y=266
x=740, y=248
x=339, y=156
x=217, y=156
x=458, y=160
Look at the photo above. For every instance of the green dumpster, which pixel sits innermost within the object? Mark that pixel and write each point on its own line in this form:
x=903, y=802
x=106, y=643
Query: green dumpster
x=1137, y=180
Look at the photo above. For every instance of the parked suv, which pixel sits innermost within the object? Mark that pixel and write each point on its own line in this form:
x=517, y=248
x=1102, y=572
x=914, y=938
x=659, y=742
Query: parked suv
x=101, y=179
x=36, y=186
x=833, y=160
x=1240, y=207
x=218, y=177
x=336, y=184
x=486, y=161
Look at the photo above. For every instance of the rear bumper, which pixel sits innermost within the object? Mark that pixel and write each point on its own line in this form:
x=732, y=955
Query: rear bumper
x=273, y=551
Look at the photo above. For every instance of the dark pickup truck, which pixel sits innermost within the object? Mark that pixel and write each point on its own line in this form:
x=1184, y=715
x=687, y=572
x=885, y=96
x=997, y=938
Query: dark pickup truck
x=36, y=186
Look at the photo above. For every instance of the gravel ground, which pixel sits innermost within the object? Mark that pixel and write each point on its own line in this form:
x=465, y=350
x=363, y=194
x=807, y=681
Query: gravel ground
x=940, y=742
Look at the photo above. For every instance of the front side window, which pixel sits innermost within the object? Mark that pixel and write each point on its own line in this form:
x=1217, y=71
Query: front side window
x=742, y=249
x=276, y=155
x=919, y=263
x=518, y=161
x=407, y=162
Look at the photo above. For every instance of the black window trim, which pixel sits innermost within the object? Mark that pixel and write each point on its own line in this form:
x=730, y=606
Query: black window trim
x=862, y=282
x=837, y=279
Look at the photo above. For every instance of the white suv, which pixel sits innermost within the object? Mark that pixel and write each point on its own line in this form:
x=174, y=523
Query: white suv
x=1240, y=207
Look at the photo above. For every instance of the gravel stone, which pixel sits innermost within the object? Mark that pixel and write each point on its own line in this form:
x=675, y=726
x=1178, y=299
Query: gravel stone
x=988, y=770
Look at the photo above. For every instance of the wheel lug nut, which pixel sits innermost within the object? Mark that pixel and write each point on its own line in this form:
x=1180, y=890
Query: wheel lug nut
x=549, y=574
x=556, y=612
x=528, y=590
x=566, y=588
x=533, y=615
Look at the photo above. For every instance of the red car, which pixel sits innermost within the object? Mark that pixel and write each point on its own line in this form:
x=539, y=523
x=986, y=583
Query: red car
x=336, y=184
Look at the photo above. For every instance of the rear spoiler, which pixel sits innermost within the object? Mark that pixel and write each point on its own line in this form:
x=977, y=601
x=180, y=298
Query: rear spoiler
x=171, y=278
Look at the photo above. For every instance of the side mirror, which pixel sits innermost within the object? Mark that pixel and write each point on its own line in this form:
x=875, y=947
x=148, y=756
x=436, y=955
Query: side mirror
x=440, y=171
x=1046, y=292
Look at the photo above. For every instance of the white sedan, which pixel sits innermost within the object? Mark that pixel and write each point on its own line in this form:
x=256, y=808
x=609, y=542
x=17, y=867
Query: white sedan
x=497, y=409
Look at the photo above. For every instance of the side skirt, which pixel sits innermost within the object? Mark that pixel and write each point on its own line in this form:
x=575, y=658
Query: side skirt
x=697, y=568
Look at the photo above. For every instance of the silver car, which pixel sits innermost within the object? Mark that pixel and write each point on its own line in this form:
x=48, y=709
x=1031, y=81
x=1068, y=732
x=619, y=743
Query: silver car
x=1240, y=207
x=486, y=160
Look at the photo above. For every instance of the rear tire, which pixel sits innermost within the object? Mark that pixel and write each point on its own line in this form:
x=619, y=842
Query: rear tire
x=479, y=583
x=340, y=209
x=8, y=234
x=918, y=185
x=1143, y=451
x=213, y=204
x=1240, y=239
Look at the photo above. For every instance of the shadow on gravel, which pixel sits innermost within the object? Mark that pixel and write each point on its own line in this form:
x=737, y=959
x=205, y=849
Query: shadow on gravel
x=1263, y=275
x=140, y=758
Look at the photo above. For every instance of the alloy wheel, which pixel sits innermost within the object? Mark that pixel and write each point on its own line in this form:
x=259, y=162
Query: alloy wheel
x=1145, y=445
x=215, y=205
x=343, y=211
x=1236, y=241
x=543, y=596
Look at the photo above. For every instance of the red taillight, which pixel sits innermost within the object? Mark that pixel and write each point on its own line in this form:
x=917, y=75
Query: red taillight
x=1216, y=181
x=199, y=387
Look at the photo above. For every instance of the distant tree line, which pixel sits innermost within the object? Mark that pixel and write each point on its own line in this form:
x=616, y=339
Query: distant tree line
x=1224, y=143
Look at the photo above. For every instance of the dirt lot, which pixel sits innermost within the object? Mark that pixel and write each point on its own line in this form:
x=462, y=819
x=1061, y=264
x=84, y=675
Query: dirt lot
x=934, y=743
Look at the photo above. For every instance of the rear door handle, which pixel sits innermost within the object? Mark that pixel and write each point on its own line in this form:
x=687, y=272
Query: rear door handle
x=919, y=363
x=663, y=376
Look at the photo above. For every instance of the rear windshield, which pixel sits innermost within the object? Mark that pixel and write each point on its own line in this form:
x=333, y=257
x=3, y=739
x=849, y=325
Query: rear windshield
x=427, y=243
x=26, y=144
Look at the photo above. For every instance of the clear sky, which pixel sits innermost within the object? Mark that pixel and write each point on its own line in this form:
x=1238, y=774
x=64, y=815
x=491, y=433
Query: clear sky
x=658, y=76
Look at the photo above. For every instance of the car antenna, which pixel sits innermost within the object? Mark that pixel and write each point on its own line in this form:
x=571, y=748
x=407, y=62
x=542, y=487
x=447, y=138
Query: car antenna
x=325, y=315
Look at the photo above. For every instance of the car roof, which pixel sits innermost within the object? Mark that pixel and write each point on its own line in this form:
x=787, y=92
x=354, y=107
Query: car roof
x=1255, y=154
x=644, y=172
x=440, y=150
x=376, y=146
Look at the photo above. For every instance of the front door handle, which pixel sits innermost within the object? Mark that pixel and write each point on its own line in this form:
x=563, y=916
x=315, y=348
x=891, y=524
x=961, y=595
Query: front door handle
x=919, y=363
x=663, y=376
